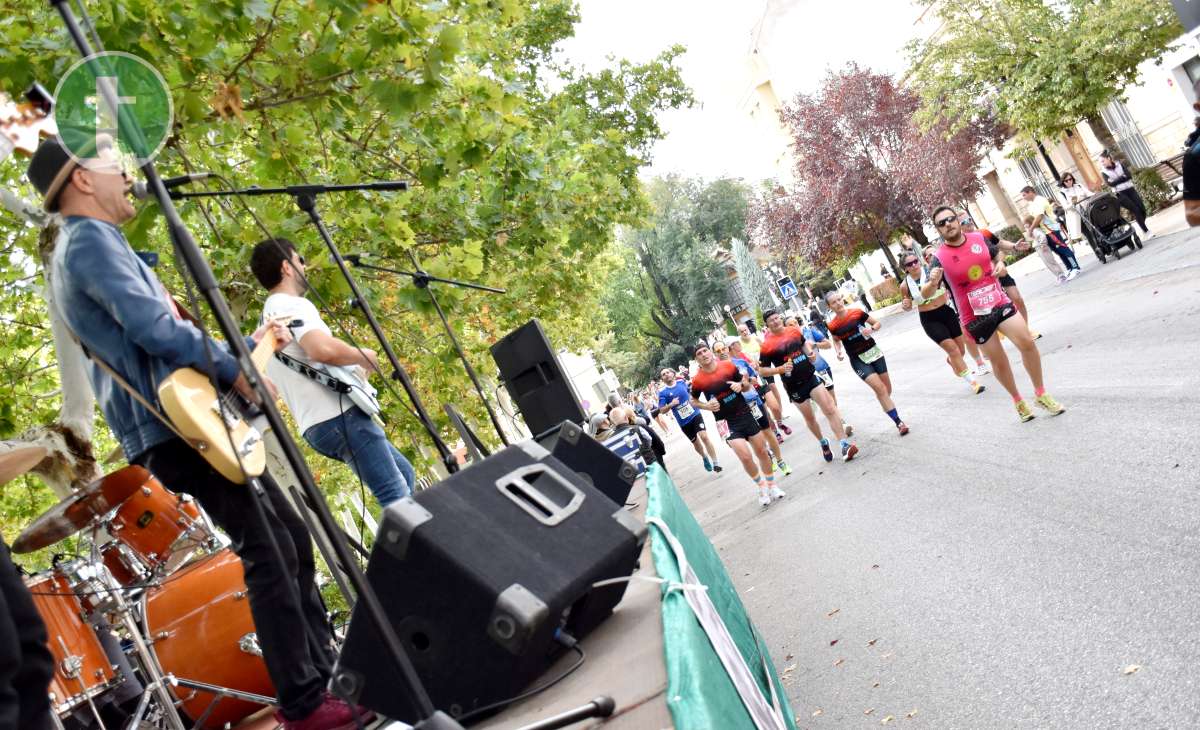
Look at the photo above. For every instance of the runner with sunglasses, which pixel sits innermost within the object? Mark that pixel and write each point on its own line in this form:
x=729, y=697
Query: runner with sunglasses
x=853, y=330
x=998, y=247
x=939, y=321
x=965, y=263
x=981, y=365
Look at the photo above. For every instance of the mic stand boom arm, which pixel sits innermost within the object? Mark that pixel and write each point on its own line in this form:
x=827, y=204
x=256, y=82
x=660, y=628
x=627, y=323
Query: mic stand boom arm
x=198, y=268
x=421, y=280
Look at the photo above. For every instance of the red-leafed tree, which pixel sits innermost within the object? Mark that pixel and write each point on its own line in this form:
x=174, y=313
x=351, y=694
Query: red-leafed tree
x=865, y=170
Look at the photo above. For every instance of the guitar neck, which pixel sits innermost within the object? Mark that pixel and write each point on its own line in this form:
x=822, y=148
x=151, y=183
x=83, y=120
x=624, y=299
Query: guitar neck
x=263, y=351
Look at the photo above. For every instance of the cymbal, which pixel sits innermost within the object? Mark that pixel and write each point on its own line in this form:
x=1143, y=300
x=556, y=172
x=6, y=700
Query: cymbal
x=18, y=461
x=76, y=511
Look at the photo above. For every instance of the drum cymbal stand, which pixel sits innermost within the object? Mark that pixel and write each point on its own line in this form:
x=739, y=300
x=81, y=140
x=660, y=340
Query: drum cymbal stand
x=156, y=684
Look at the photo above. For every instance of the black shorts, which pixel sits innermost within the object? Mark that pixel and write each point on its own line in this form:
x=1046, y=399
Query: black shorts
x=742, y=426
x=693, y=427
x=941, y=324
x=1006, y=281
x=865, y=370
x=801, y=393
x=982, y=328
x=762, y=391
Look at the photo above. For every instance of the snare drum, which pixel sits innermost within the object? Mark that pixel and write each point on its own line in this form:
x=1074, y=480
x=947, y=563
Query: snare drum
x=123, y=564
x=82, y=670
x=201, y=629
x=153, y=520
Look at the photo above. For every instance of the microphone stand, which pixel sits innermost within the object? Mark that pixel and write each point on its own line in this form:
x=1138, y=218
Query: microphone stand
x=199, y=270
x=421, y=279
x=305, y=197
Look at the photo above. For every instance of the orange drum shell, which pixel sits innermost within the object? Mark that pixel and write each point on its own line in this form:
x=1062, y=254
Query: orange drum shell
x=118, y=565
x=61, y=614
x=150, y=521
x=196, y=619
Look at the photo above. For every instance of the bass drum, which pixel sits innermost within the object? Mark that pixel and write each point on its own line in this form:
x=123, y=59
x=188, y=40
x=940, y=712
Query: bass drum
x=200, y=628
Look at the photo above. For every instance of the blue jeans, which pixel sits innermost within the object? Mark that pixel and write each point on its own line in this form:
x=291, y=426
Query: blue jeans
x=355, y=440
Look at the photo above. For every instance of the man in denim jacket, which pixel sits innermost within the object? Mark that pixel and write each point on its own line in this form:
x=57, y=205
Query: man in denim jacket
x=123, y=316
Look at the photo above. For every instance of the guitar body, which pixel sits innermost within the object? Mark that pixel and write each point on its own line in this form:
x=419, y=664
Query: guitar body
x=192, y=404
x=361, y=392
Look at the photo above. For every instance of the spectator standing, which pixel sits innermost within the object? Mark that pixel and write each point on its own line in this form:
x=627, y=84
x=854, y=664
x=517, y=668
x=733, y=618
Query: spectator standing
x=1121, y=183
x=1073, y=194
x=1042, y=245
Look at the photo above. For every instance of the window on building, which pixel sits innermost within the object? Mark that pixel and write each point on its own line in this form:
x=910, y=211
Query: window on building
x=1192, y=68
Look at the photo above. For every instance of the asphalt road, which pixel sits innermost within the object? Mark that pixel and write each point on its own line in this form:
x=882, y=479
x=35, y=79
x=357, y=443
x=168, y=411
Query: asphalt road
x=982, y=572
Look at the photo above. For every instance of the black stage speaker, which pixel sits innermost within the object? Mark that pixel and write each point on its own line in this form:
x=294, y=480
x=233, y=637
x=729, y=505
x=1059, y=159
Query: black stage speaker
x=477, y=575
x=535, y=379
x=589, y=458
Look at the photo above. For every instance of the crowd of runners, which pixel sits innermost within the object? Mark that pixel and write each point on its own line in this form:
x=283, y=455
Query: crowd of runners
x=966, y=301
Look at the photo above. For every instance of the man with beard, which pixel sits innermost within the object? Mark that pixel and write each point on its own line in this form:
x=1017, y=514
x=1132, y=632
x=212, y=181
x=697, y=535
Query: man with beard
x=333, y=425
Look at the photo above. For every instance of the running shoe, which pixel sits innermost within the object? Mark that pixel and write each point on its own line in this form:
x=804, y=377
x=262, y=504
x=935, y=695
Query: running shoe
x=782, y=466
x=1072, y=274
x=848, y=429
x=978, y=388
x=902, y=427
x=1024, y=412
x=707, y=464
x=1061, y=278
x=826, y=451
x=1045, y=401
x=785, y=429
x=716, y=467
x=764, y=498
x=777, y=493
x=982, y=368
x=849, y=451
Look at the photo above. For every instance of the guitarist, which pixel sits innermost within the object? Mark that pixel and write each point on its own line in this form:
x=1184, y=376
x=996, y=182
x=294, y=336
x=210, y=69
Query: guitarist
x=333, y=425
x=124, y=317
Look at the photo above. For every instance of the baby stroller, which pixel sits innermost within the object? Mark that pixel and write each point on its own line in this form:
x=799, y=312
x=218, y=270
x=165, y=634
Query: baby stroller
x=1104, y=227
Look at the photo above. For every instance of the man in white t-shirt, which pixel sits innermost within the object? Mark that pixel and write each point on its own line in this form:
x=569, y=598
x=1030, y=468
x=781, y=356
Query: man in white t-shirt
x=330, y=422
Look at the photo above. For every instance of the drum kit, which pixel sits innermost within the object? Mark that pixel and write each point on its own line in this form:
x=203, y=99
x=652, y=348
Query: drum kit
x=150, y=625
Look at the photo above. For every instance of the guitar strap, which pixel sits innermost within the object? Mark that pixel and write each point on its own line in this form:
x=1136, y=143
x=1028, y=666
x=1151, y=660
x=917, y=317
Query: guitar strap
x=308, y=371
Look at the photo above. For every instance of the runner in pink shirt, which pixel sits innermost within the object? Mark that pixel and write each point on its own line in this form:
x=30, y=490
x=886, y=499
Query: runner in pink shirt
x=965, y=262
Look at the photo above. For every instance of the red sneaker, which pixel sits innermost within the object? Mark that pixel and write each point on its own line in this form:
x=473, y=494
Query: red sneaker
x=785, y=429
x=332, y=714
x=903, y=428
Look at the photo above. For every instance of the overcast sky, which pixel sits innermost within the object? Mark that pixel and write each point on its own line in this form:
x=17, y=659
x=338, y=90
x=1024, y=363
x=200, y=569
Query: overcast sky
x=800, y=39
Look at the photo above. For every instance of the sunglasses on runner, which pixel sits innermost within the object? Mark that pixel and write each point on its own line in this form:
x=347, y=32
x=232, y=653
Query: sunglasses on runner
x=911, y=262
x=945, y=221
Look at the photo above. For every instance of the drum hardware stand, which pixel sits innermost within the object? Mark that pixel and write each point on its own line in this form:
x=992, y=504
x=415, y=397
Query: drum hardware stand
x=602, y=706
x=198, y=269
x=157, y=684
x=422, y=279
x=221, y=693
x=71, y=666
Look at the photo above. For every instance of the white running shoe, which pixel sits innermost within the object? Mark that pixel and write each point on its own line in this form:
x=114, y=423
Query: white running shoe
x=1072, y=274
x=1147, y=236
x=777, y=493
x=1061, y=278
x=764, y=498
x=982, y=368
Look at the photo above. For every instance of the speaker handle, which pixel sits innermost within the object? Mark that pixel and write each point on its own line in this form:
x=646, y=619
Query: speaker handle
x=527, y=487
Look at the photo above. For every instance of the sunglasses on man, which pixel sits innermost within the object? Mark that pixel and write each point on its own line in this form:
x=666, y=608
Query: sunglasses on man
x=945, y=221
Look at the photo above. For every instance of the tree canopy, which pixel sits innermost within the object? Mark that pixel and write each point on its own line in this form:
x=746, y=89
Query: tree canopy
x=522, y=168
x=1041, y=66
x=865, y=169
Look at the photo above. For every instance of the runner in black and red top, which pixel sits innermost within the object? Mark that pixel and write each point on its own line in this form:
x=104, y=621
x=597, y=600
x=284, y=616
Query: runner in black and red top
x=852, y=329
x=785, y=352
x=965, y=262
x=721, y=384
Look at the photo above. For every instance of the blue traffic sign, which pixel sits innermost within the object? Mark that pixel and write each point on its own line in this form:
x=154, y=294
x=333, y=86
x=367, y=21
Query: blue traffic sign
x=787, y=289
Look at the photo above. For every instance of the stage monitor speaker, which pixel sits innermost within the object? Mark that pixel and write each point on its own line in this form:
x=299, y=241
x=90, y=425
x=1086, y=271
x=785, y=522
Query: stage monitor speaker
x=535, y=379
x=590, y=459
x=478, y=575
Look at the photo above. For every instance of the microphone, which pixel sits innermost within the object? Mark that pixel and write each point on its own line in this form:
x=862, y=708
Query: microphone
x=141, y=192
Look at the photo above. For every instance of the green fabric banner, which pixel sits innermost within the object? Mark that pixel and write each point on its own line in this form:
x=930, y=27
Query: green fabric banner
x=700, y=694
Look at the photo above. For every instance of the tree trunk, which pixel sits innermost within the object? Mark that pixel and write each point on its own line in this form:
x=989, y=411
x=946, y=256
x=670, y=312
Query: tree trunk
x=70, y=463
x=1104, y=134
